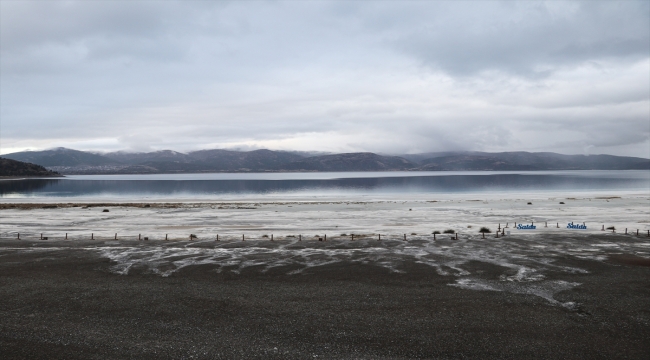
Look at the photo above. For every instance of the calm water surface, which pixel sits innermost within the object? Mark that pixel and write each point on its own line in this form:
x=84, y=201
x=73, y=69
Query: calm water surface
x=314, y=184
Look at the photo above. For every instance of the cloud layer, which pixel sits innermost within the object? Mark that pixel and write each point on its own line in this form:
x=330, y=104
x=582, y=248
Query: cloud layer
x=391, y=77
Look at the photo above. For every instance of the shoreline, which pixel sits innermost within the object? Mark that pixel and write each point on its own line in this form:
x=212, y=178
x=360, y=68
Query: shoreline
x=345, y=171
x=31, y=177
x=465, y=214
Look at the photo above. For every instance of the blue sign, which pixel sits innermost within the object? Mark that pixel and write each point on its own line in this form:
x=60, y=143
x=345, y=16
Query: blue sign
x=578, y=226
x=526, y=227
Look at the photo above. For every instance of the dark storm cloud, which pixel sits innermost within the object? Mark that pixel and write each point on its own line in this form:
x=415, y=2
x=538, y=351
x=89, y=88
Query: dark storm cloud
x=334, y=76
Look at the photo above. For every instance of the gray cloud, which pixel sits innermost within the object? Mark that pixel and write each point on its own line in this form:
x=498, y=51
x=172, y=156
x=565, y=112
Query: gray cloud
x=332, y=76
x=529, y=38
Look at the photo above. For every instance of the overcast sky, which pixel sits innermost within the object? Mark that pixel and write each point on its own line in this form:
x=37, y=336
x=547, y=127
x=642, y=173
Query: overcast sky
x=389, y=77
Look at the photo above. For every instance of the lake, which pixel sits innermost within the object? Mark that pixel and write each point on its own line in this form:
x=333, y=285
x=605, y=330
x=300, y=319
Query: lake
x=243, y=185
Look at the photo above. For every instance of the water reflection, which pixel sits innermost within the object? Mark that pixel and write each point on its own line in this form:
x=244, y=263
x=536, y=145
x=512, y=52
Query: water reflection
x=9, y=187
x=408, y=184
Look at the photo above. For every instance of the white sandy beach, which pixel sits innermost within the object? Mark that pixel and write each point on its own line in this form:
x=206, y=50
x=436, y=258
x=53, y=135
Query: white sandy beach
x=388, y=215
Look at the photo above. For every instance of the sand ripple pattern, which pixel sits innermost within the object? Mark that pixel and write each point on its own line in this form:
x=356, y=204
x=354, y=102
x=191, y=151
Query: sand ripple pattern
x=526, y=261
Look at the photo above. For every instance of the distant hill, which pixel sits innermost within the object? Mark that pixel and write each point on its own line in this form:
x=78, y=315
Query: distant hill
x=141, y=157
x=350, y=162
x=69, y=161
x=418, y=158
x=61, y=157
x=207, y=160
x=11, y=168
x=532, y=161
x=257, y=160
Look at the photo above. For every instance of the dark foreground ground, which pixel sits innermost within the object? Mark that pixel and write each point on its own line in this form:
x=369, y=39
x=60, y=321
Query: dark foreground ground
x=69, y=305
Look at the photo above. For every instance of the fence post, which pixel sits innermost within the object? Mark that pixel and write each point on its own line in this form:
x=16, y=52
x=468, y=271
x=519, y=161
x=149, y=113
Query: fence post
x=299, y=237
x=379, y=237
x=242, y=237
x=456, y=236
x=434, y=236
x=404, y=237
x=92, y=236
x=18, y=236
x=115, y=236
x=66, y=236
x=41, y=236
x=166, y=236
x=140, y=236
x=325, y=237
x=352, y=237
x=271, y=237
x=217, y=237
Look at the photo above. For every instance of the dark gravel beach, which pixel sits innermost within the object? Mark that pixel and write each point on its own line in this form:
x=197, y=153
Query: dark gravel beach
x=65, y=301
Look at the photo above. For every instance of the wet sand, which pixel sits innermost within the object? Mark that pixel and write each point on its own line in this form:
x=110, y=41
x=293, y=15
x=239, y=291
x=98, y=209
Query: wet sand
x=581, y=297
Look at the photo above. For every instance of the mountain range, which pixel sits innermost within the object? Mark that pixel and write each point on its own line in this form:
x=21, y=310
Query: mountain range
x=68, y=161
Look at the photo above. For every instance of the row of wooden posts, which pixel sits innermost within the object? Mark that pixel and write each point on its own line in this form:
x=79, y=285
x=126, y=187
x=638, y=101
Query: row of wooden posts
x=533, y=223
x=192, y=236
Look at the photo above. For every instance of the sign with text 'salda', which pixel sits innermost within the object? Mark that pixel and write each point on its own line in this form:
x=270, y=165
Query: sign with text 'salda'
x=576, y=226
x=526, y=227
